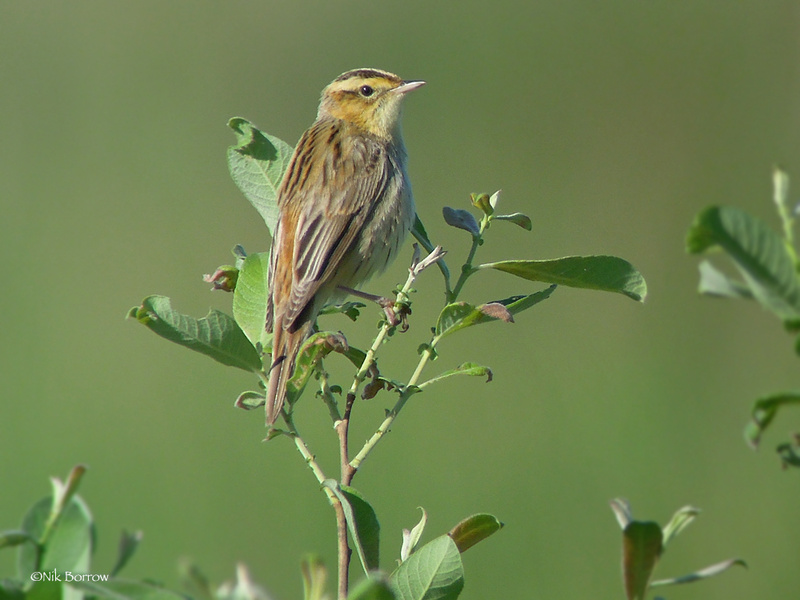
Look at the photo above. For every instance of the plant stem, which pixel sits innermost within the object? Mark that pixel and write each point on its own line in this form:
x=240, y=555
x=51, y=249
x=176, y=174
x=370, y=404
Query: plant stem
x=348, y=467
x=327, y=396
x=310, y=459
x=342, y=426
x=343, y=549
x=341, y=423
x=369, y=359
x=467, y=269
x=407, y=392
x=343, y=429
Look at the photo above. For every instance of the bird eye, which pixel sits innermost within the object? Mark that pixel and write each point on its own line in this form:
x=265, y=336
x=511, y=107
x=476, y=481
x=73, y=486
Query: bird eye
x=366, y=91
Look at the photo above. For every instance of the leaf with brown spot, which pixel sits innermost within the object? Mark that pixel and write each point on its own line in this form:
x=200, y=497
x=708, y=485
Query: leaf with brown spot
x=497, y=311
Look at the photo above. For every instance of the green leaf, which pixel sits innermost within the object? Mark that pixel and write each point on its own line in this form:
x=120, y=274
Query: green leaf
x=520, y=219
x=216, y=335
x=11, y=589
x=352, y=310
x=123, y=589
x=494, y=199
x=411, y=537
x=474, y=529
x=484, y=203
x=128, y=543
x=239, y=254
x=69, y=540
x=433, y=571
x=788, y=455
x=421, y=235
x=355, y=355
x=47, y=590
x=679, y=521
x=714, y=282
x=29, y=556
x=702, y=573
x=314, y=577
x=516, y=304
x=764, y=411
x=641, y=549
x=313, y=350
x=361, y=522
x=250, y=400
x=250, y=299
x=604, y=273
x=455, y=316
x=377, y=384
x=194, y=581
x=461, y=219
x=14, y=538
x=70, y=546
x=469, y=368
x=459, y=315
x=759, y=253
x=257, y=163
x=374, y=587
x=366, y=525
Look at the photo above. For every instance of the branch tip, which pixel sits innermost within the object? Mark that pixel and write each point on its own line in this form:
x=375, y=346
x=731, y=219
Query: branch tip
x=436, y=254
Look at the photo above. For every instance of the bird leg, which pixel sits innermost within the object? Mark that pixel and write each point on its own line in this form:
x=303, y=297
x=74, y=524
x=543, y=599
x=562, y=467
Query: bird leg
x=387, y=304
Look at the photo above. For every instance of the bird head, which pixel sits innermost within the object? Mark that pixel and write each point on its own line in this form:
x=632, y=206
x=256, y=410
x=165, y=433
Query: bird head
x=370, y=99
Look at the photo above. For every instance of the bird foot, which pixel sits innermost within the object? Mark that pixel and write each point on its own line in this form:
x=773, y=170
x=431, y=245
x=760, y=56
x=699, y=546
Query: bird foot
x=395, y=314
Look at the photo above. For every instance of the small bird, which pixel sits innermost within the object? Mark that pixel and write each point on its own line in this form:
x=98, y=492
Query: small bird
x=345, y=207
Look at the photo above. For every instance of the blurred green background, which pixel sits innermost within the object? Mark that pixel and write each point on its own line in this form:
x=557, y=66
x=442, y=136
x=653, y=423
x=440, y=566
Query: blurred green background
x=610, y=123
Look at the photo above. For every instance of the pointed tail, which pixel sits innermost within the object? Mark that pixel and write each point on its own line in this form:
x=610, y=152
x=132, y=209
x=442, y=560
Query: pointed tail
x=285, y=346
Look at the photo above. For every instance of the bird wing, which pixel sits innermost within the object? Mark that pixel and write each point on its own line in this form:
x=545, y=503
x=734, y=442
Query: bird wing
x=325, y=200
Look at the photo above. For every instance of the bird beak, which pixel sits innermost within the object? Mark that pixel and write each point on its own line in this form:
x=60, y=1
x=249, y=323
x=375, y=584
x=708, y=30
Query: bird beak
x=408, y=86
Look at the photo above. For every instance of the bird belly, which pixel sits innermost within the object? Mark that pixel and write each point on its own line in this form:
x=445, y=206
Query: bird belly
x=383, y=235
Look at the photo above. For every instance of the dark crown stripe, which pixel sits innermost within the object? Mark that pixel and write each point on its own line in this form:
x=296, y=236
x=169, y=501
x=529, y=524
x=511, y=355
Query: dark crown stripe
x=366, y=74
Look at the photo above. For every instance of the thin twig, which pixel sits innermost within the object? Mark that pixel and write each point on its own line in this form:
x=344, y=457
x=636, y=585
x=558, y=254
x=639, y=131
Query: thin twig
x=343, y=549
x=391, y=415
x=467, y=269
x=417, y=266
x=327, y=397
x=428, y=246
x=341, y=424
x=342, y=429
x=310, y=459
x=402, y=296
x=410, y=388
